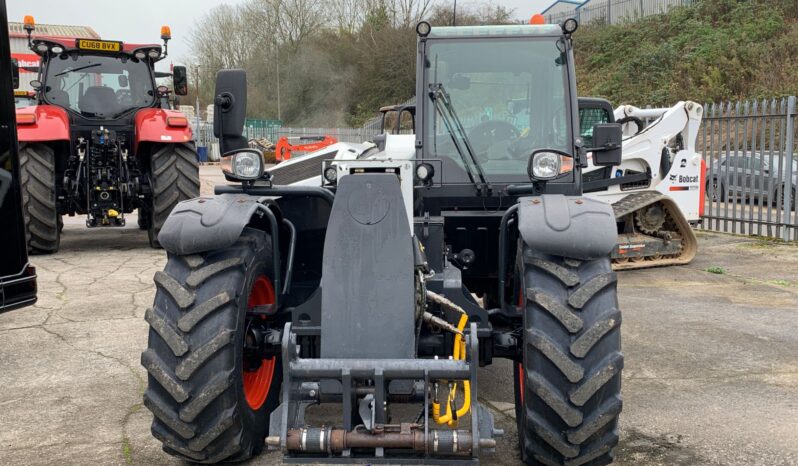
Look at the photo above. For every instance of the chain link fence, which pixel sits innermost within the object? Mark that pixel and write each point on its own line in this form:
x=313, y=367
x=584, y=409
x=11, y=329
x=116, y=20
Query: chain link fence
x=615, y=11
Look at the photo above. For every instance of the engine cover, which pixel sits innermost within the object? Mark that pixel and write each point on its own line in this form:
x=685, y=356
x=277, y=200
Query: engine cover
x=367, y=284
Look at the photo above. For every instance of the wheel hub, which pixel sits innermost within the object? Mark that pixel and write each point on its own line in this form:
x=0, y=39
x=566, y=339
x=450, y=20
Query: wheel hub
x=257, y=374
x=650, y=219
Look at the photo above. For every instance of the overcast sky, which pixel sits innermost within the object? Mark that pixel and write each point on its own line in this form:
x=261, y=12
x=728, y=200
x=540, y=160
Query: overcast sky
x=140, y=21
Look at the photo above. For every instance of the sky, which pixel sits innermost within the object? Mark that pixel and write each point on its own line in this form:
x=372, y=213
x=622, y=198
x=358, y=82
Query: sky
x=140, y=21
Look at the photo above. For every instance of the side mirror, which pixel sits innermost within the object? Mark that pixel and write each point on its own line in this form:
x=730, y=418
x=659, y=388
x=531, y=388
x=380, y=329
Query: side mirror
x=180, y=80
x=607, y=141
x=15, y=72
x=230, y=109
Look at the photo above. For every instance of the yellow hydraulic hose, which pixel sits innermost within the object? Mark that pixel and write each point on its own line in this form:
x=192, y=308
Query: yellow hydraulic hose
x=450, y=417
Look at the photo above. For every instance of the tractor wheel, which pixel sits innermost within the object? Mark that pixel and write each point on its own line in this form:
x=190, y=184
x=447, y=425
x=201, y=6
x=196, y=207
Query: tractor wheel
x=209, y=403
x=568, y=385
x=143, y=219
x=175, y=177
x=37, y=167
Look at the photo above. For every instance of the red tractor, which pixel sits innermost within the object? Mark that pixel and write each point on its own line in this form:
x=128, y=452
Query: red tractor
x=101, y=140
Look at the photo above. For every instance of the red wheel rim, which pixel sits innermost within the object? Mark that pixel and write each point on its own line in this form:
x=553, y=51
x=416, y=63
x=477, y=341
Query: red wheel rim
x=257, y=383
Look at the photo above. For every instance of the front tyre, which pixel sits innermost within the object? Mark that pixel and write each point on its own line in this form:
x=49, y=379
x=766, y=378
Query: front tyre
x=37, y=178
x=209, y=402
x=568, y=385
x=174, y=175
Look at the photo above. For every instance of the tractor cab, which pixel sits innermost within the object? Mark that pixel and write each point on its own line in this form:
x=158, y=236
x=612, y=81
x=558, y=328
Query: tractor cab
x=98, y=81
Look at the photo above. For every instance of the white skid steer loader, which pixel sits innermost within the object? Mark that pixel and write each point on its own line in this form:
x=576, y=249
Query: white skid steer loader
x=657, y=190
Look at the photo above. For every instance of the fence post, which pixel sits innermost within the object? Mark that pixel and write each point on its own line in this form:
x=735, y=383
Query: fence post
x=788, y=155
x=609, y=12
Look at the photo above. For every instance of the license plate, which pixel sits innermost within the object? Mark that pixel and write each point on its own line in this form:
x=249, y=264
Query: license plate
x=99, y=45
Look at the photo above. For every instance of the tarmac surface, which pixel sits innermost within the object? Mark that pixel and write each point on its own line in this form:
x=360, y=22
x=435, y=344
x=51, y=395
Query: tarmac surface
x=711, y=368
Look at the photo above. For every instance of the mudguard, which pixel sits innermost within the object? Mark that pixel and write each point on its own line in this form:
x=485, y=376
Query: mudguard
x=207, y=223
x=151, y=126
x=569, y=226
x=52, y=124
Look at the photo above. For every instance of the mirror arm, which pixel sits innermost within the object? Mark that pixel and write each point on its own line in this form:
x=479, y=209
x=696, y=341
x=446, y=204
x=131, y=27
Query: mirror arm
x=608, y=146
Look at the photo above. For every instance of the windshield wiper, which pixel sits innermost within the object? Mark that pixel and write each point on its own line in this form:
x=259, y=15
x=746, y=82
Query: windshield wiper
x=70, y=70
x=443, y=105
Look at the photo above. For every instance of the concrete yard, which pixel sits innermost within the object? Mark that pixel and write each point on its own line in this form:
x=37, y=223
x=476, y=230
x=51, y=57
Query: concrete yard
x=711, y=369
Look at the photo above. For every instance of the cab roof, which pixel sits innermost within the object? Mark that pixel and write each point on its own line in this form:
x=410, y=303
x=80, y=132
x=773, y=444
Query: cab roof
x=509, y=30
x=70, y=43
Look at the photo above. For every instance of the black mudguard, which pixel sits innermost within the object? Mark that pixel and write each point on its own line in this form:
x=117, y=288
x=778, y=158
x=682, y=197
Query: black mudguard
x=568, y=226
x=207, y=223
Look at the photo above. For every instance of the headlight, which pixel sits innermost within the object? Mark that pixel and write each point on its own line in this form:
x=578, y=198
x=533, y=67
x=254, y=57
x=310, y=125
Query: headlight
x=330, y=174
x=424, y=172
x=423, y=28
x=140, y=54
x=570, y=25
x=154, y=53
x=42, y=47
x=57, y=49
x=246, y=164
x=548, y=164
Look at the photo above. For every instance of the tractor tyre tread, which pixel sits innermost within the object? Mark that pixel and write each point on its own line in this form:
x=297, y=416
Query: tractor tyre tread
x=37, y=178
x=174, y=174
x=570, y=371
x=195, y=381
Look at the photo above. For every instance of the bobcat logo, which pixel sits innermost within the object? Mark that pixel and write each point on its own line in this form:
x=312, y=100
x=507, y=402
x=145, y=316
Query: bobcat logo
x=673, y=177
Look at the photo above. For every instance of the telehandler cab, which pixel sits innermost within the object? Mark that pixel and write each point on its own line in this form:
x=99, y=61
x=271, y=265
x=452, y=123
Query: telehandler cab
x=391, y=283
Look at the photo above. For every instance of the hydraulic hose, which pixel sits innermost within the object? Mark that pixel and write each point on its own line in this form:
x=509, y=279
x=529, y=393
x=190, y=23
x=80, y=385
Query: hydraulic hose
x=451, y=414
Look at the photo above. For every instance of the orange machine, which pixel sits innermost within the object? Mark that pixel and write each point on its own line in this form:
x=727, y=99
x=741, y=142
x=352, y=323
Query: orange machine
x=287, y=145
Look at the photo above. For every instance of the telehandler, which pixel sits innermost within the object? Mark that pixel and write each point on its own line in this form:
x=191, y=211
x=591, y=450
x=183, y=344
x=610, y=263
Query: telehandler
x=392, y=282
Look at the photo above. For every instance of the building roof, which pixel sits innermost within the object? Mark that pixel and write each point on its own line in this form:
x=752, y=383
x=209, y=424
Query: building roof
x=570, y=2
x=58, y=30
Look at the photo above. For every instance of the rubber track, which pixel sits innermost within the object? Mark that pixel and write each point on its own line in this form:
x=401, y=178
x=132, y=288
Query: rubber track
x=640, y=200
x=37, y=178
x=572, y=360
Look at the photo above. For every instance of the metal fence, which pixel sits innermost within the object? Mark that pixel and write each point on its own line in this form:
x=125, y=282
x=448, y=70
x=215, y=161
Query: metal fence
x=616, y=11
x=751, y=167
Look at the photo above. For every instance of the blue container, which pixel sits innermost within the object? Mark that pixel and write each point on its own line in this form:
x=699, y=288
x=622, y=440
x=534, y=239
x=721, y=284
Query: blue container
x=202, y=154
